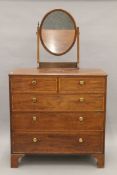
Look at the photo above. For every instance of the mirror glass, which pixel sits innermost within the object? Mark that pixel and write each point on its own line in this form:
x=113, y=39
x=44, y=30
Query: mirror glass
x=58, y=32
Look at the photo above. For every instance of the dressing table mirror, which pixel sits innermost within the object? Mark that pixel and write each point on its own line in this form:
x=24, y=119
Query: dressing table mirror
x=57, y=33
x=57, y=108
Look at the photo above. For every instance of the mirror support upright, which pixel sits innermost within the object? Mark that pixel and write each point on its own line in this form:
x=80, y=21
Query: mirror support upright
x=78, y=49
x=38, y=42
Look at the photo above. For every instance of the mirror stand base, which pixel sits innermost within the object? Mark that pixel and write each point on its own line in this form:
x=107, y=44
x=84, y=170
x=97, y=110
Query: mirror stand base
x=58, y=65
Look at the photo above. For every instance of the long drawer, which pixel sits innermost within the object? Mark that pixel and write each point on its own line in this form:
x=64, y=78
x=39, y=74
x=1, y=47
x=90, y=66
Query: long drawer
x=61, y=121
x=33, y=84
x=82, y=85
x=81, y=142
x=36, y=102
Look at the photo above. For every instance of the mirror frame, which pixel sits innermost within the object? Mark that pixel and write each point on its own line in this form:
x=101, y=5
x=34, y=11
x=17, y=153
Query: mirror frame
x=75, y=35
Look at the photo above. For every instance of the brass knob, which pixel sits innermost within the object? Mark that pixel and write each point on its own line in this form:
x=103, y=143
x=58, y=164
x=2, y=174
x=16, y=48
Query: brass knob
x=81, y=118
x=35, y=140
x=34, y=82
x=80, y=140
x=34, y=118
x=82, y=82
x=81, y=99
x=34, y=100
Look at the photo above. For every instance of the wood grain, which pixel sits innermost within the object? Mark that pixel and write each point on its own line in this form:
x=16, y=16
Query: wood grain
x=52, y=121
x=91, y=85
x=58, y=71
x=24, y=102
x=57, y=142
x=34, y=84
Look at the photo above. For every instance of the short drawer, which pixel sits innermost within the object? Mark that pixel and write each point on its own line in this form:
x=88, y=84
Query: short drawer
x=60, y=121
x=81, y=142
x=82, y=84
x=36, y=102
x=33, y=84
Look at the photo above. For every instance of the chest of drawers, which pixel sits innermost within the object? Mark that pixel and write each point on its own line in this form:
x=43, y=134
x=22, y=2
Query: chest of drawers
x=57, y=111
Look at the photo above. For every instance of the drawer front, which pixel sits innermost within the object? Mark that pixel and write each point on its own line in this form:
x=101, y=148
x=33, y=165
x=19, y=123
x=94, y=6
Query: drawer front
x=36, y=102
x=60, y=121
x=82, y=84
x=33, y=84
x=82, y=142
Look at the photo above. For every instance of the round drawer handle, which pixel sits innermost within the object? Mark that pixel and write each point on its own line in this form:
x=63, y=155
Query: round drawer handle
x=34, y=82
x=80, y=140
x=81, y=99
x=35, y=140
x=34, y=99
x=82, y=82
x=34, y=118
x=81, y=118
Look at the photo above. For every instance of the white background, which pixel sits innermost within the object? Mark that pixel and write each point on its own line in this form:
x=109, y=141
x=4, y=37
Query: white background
x=97, y=20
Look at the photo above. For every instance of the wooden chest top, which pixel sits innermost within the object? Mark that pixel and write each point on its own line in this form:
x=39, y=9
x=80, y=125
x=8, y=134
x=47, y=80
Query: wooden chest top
x=59, y=71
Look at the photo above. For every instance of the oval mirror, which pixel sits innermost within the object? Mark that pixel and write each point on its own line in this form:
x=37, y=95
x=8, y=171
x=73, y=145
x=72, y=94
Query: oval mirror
x=58, y=32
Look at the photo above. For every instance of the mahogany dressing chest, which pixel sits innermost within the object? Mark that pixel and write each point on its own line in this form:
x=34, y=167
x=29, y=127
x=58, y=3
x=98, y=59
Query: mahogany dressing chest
x=57, y=108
